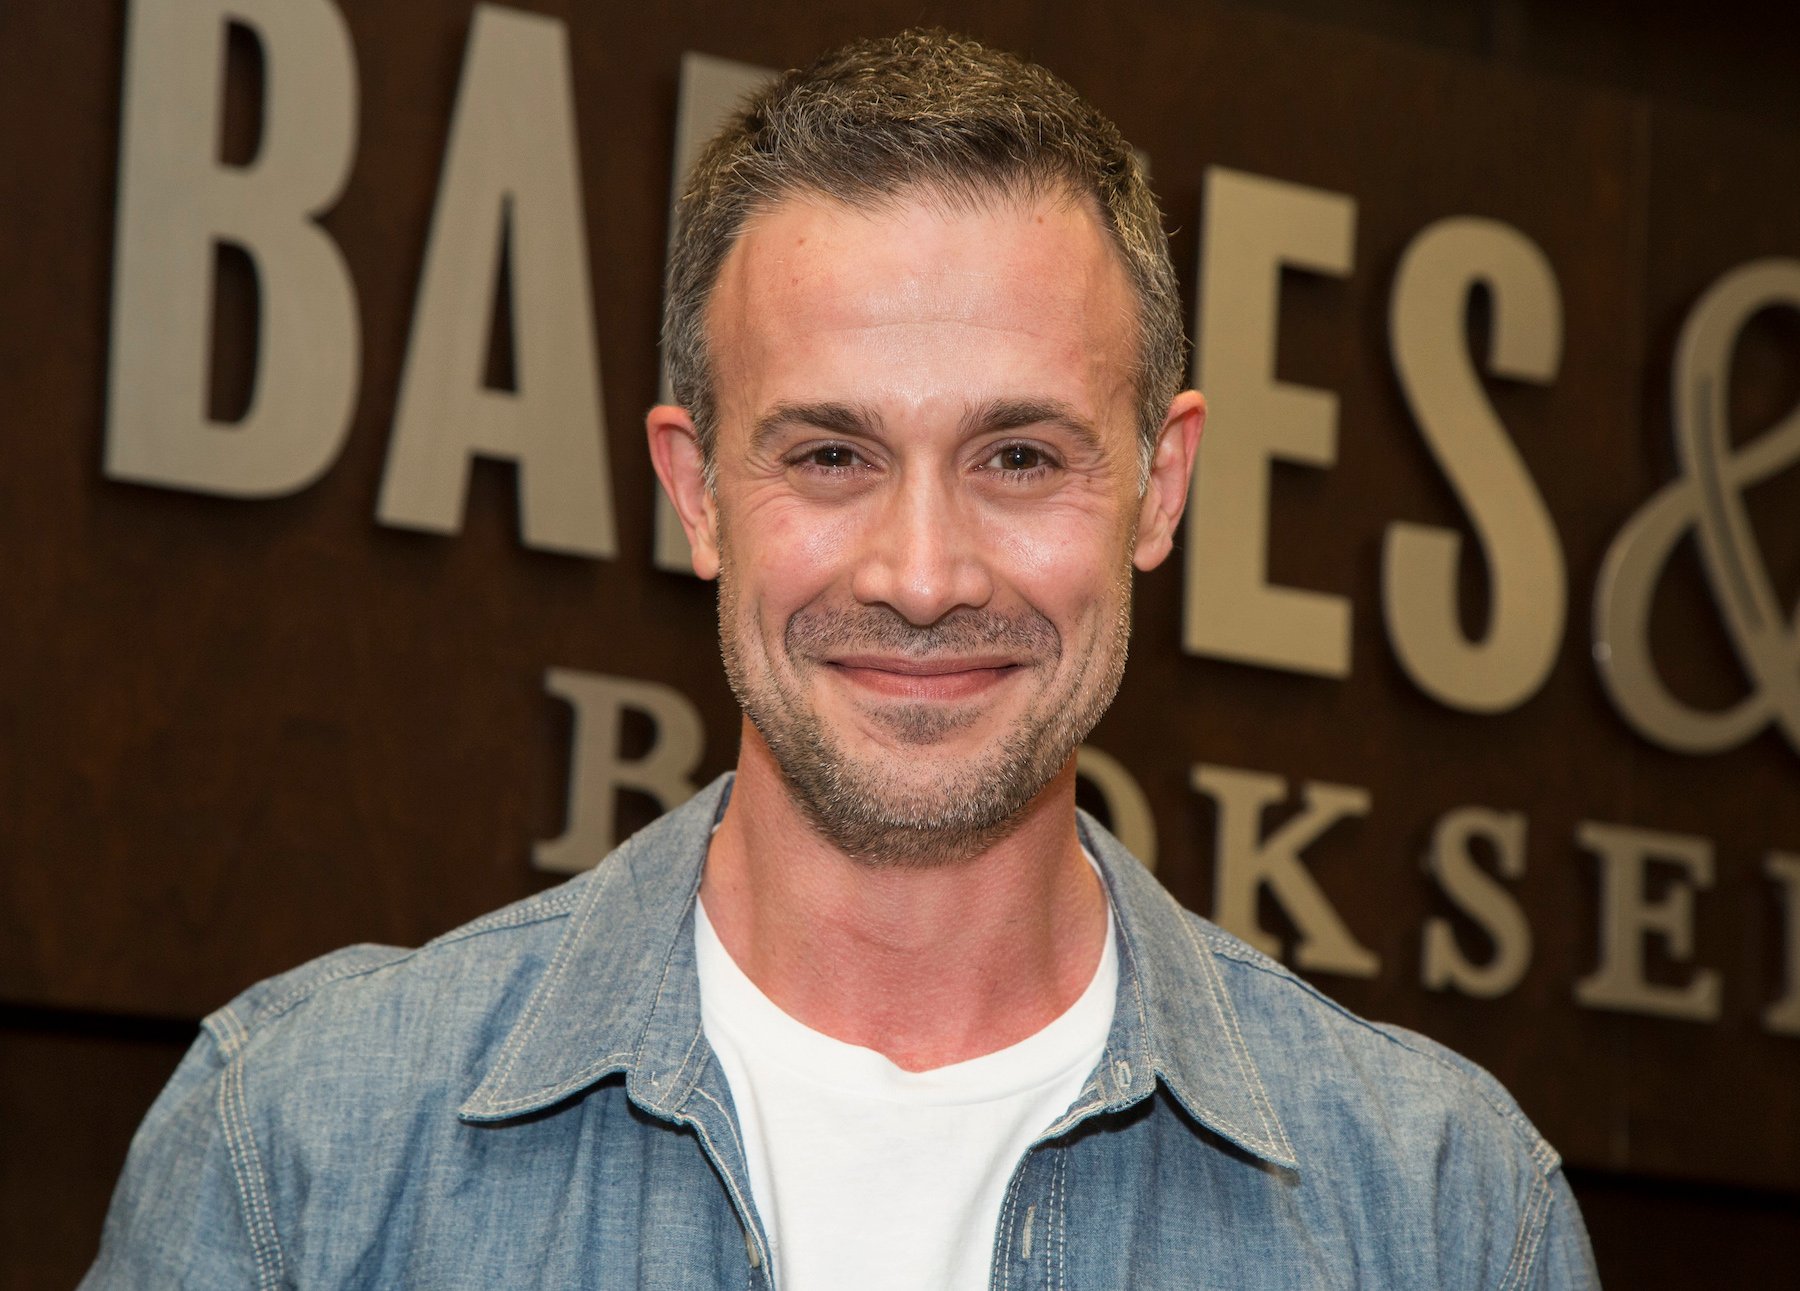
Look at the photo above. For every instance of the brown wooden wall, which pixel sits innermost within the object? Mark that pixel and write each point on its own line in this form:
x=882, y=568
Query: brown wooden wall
x=236, y=734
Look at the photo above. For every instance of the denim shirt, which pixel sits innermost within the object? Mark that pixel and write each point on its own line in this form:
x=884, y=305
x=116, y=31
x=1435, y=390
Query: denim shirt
x=529, y=1101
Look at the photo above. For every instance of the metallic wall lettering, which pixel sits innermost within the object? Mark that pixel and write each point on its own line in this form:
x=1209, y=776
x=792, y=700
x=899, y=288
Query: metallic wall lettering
x=511, y=185
x=1254, y=227
x=1528, y=583
x=1248, y=860
x=177, y=203
x=1707, y=500
x=598, y=768
x=1132, y=820
x=1451, y=861
x=1630, y=917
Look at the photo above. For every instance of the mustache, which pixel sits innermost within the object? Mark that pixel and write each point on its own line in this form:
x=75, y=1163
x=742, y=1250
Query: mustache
x=818, y=632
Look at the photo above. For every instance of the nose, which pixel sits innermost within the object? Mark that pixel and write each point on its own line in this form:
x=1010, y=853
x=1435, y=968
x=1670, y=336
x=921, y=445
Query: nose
x=923, y=554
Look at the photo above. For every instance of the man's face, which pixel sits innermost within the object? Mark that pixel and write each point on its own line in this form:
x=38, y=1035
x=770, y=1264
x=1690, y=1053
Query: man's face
x=927, y=502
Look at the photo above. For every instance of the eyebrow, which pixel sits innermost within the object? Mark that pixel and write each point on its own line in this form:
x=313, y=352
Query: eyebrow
x=838, y=418
x=987, y=417
x=1015, y=414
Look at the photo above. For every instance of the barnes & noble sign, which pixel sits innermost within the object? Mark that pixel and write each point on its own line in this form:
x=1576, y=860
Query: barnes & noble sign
x=1474, y=691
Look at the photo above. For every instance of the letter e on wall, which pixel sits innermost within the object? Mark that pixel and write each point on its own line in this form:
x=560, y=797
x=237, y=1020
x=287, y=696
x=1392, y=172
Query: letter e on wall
x=1255, y=226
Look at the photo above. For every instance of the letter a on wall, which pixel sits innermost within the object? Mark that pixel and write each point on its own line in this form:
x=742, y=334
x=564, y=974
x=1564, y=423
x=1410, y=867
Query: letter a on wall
x=511, y=178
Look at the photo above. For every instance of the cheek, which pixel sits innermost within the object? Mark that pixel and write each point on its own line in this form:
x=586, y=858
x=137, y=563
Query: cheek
x=794, y=556
x=1064, y=565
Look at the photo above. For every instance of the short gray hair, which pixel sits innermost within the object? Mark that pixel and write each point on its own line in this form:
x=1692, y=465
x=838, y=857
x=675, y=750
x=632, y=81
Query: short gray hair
x=920, y=110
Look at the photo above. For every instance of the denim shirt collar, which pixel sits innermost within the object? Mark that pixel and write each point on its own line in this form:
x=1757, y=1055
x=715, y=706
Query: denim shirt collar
x=620, y=995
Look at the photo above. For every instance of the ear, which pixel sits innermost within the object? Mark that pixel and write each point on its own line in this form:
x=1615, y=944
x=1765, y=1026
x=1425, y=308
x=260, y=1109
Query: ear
x=1166, y=491
x=675, y=452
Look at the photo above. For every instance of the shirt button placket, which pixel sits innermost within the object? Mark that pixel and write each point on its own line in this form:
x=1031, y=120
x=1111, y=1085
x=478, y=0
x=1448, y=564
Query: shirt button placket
x=1036, y=1229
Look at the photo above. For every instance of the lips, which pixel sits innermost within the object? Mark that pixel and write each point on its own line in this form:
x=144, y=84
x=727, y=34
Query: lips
x=926, y=679
x=928, y=666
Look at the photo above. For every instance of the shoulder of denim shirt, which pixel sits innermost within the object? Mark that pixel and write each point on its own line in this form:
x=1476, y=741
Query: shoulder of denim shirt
x=338, y=987
x=382, y=1020
x=1390, y=1064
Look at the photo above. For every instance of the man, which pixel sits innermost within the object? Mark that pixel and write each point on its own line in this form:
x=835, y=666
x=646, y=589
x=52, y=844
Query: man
x=880, y=1010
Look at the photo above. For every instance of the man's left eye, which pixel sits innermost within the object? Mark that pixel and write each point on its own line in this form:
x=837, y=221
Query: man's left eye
x=1018, y=457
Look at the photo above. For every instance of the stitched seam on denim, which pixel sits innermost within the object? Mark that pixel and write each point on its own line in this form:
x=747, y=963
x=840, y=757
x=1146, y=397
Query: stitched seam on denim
x=1516, y=1119
x=543, y=1097
x=246, y=1202
x=281, y=1004
x=1546, y=1157
x=668, y=959
x=1532, y=1235
x=1208, y=1112
x=682, y=1066
x=551, y=905
x=1049, y=1218
x=246, y=1169
x=737, y=1198
x=1223, y=943
x=656, y=1000
x=493, y=923
x=1127, y=953
x=1222, y=1005
x=1137, y=993
x=1071, y=1117
x=1531, y=1231
x=1228, y=1014
x=730, y=1123
x=553, y=979
x=229, y=1033
x=258, y=1180
x=1000, y=1264
x=1062, y=1227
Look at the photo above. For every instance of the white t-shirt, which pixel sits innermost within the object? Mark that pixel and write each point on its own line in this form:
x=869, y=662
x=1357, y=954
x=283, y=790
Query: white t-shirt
x=870, y=1176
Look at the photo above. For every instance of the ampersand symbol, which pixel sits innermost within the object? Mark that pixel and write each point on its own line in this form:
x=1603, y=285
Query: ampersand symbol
x=1707, y=499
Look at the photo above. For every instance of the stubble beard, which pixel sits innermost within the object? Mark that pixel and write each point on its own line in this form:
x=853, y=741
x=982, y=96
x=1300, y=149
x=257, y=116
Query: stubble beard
x=945, y=810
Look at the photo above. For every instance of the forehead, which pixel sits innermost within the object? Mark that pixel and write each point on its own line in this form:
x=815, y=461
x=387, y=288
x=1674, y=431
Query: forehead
x=919, y=297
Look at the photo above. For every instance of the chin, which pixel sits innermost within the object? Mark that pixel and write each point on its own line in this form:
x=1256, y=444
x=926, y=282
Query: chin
x=890, y=811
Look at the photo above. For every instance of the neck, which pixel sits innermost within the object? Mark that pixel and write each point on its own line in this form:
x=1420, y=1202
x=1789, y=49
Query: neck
x=928, y=965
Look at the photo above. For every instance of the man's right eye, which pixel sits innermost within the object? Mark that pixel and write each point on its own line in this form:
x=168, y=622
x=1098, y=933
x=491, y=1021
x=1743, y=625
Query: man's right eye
x=831, y=457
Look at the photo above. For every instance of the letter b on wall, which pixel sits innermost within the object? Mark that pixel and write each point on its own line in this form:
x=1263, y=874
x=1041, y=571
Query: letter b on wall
x=177, y=202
